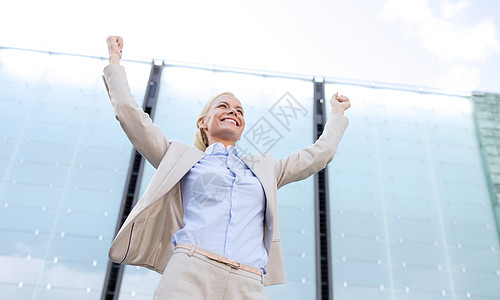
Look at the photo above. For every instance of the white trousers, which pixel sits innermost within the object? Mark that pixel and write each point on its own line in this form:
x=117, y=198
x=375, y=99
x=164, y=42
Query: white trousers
x=190, y=275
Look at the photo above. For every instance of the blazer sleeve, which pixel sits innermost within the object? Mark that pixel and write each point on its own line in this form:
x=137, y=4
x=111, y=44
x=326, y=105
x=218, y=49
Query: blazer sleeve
x=146, y=136
x=307, y=161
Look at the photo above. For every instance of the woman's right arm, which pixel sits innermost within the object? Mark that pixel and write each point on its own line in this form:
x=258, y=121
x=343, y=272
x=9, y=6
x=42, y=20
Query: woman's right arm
x=307, y=161
x=146, y=136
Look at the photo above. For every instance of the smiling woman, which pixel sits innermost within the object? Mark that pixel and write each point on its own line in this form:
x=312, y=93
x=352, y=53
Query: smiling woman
x=208, y=219
x=224, y=107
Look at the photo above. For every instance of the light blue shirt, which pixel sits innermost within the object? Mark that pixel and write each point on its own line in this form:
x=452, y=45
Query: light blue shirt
x=224, y=206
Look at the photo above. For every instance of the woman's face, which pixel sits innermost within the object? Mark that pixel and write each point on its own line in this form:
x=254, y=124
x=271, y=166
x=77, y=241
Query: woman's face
x=224, y=120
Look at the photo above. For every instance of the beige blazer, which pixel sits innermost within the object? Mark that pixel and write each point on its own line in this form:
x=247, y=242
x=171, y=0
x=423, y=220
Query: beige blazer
x=145, y=237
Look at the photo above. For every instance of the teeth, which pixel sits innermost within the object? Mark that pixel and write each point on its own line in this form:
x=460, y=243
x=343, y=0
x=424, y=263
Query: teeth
x=230, y=120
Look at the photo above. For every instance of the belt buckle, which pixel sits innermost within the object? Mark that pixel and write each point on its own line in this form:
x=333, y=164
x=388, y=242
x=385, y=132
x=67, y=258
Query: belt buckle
x=233, y=264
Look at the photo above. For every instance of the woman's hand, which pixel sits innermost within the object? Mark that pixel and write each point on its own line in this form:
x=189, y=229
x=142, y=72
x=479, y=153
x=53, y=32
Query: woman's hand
x=115, y=46
x=339, y=104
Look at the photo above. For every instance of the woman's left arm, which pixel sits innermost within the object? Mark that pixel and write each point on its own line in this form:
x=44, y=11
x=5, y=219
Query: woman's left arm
x=307, y=161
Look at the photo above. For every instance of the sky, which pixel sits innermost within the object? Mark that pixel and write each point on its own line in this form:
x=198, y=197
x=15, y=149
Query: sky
x=446, y=44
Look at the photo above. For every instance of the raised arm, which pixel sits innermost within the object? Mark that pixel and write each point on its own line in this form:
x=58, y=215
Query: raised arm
x=307, y=161
x=146, y=137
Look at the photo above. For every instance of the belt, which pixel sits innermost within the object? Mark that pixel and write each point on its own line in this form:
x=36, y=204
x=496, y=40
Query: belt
x=221, y=259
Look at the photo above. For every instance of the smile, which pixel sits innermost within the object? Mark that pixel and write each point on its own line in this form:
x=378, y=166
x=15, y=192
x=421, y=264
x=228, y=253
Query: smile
x=229, y=120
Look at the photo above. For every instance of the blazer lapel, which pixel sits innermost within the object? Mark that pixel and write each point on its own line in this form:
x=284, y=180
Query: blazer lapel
x=178, y=160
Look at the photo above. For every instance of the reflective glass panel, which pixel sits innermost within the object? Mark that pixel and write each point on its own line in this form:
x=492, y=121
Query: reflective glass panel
x=63, y=162
x=410, y=211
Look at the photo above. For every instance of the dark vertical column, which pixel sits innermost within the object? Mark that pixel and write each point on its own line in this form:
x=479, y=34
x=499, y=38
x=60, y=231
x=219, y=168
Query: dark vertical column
x=114, y=272
x=323, y=265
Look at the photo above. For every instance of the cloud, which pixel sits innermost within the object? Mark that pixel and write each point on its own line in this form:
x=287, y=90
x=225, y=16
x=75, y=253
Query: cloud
x=450, y=10
x=451, y=41
x=461, y=78
x=441, y=35
x=57, y=281
x=21, y=275
x=412, y=11
x=139, y=281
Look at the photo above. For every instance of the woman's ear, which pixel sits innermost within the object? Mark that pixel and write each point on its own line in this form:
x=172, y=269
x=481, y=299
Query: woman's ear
x=201, y=123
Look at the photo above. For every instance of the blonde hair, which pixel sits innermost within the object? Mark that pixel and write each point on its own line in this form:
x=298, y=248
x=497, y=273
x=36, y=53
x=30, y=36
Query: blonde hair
x=200, y=139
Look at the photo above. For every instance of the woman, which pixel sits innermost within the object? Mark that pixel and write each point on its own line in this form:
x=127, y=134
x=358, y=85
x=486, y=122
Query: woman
x=208, y=219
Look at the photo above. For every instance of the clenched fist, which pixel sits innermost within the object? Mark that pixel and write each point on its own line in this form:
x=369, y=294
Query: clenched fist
x=339, y=104
x=115, y=46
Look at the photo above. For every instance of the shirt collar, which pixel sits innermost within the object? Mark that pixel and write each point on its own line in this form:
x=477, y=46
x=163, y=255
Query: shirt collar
x=218, y=148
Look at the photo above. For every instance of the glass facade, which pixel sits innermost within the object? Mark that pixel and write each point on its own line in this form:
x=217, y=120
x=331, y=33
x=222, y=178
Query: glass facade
x=63, y=162
x=410, y=212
